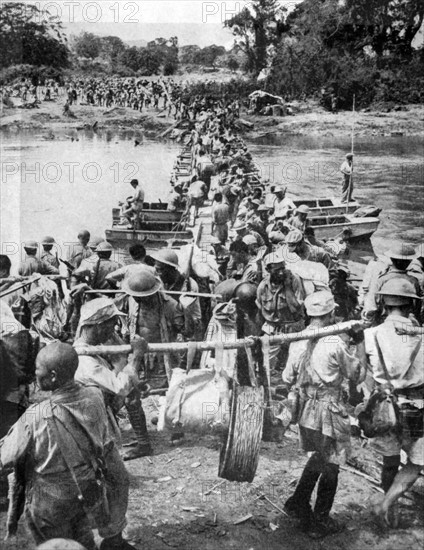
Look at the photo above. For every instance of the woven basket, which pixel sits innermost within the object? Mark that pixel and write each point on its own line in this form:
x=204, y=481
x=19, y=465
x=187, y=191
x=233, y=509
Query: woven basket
x=239, y=456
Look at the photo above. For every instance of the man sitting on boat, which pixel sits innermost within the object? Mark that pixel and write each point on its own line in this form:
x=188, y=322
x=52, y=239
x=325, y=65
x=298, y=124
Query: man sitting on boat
x=133, y=212
x=282, y=205
x=300, y=219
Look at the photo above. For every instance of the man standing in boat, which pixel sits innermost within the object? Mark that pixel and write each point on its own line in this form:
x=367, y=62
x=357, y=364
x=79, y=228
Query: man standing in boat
x=132, y=214
x=347, y=170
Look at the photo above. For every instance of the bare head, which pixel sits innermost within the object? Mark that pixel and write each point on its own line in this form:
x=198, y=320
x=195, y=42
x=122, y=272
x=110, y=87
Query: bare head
x=84, y=237
x=55, y=366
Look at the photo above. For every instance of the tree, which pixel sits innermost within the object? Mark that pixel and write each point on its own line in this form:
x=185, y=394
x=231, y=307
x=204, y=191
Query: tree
x=87, y=45
x=111, y=47
x=387, y=25
x=142, y=60
x=257, y=27
x=233, y=64
x=30, y=37
x=207, y=56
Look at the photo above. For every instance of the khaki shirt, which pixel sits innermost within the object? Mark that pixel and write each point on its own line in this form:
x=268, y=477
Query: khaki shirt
x=403, y=355
x=31, y=436
x=282, y=304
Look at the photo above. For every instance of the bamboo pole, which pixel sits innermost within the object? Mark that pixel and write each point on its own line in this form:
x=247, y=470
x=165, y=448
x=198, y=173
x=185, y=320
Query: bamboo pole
x=171, y=292
x=352, y=139
x=19, y=286
x=168, y=347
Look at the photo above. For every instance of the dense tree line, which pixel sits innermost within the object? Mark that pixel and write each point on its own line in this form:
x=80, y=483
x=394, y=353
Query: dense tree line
x=361, y=47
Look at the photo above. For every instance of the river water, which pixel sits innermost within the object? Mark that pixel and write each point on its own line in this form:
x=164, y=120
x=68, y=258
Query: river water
x=56, y=187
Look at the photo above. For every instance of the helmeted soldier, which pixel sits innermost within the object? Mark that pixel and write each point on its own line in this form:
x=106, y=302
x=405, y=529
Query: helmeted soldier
x=33, y=265
x=47, y=243
x=167, y=267
x=397, y=364
x=401, y=256
x=158, y=317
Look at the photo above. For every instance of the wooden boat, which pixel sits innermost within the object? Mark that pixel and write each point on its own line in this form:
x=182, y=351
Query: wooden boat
x=158, y=228
x=153, y=214
x=328, y=206
x=331, y=226
x=150, y=239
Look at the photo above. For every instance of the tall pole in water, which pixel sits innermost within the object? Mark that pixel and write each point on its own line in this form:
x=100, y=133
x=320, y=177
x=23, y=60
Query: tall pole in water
x=352, y=139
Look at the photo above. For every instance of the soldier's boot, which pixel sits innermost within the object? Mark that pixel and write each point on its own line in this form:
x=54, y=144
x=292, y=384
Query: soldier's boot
x=327, y=488
x=390, y=469
x=116, y=543
x=138, y=423
x=298, y=505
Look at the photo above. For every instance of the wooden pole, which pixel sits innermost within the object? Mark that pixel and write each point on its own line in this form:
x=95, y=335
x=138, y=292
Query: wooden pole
x=168, y=347
x=352, y=140
x=171, y=292
x=18, y=286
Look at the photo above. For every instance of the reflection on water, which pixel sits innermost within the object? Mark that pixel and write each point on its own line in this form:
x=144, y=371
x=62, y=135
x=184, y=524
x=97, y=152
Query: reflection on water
x=389, y=172
x=60, y=186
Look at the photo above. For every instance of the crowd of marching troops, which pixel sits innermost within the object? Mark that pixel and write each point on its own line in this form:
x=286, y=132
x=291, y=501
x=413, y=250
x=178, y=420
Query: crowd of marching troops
x=64, y=450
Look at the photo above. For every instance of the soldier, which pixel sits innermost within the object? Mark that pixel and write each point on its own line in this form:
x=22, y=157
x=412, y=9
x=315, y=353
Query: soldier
x=167, y=267
x=295, y=242
x=283, y=206
x=347, y=170
x=159, y=317
x=300, y=219
x=94, y=270
x=345, y=294
x=80, y=251
x=116, y=377
x=62, y=474
x=280, y=300
x=397, y=364
x=317, y=368
x=136, y=203
x=400, y=256
x=33, y=265
x=47, y=243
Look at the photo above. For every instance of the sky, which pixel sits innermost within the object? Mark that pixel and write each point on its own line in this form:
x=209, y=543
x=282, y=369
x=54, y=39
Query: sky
x=197, y=22
x=193, y=21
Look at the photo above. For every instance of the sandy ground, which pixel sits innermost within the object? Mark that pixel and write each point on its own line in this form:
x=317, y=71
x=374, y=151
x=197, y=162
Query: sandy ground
x=308, y=118
x=170, y=506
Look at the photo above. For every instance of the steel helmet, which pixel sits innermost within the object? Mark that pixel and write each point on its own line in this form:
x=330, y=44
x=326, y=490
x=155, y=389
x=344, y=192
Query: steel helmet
x=104, y=246
x=319, y=303
x=31, y=245
x=165, y=256
x=398, y=291
x=264, y=208
x=141, y=283
x=294, y=236
x=401, y=251
x=226, y=289
x=303, y=209
x=94, y=242
x=48, y=241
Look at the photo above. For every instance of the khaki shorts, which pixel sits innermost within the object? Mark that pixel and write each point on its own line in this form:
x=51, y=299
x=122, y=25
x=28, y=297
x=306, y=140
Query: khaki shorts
x=391, y=444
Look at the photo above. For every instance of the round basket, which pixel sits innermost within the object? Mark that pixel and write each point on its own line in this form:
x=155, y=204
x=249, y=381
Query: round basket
x=239, y=456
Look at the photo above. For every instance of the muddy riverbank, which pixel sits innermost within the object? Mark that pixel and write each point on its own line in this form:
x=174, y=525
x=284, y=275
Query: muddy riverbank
x=308, y=118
